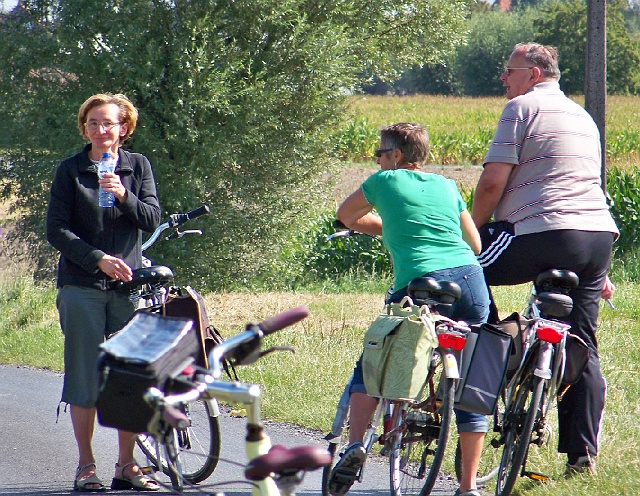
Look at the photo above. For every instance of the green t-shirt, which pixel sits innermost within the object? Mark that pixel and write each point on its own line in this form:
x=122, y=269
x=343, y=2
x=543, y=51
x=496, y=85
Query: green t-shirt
x=420, y=222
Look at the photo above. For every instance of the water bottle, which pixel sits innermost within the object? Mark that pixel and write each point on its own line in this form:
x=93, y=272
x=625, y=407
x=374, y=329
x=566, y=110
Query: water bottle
x=106, y=164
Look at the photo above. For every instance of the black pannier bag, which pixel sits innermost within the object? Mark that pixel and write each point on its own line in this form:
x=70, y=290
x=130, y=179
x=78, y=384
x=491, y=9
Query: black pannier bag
x=150, y=350
x=483, y=369
x=518, y=327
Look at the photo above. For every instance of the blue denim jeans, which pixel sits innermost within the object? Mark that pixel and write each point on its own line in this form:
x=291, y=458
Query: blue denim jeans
x=472, y=307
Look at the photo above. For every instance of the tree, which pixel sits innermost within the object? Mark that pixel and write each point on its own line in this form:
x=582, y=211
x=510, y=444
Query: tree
x=491, y=39
x=238, y=100
x=563, y=24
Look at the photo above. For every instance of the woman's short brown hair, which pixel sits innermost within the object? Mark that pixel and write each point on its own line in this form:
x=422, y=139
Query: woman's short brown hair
x=128, y=113
x=410, y=138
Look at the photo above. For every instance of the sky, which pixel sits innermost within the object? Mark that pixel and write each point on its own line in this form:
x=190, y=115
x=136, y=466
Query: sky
x=8, y=4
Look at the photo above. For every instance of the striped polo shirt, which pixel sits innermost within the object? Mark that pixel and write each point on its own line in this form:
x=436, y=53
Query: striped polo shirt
x=555, y=147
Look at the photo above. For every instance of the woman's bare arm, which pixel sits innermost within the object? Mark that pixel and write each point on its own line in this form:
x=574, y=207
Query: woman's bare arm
x=355, y=213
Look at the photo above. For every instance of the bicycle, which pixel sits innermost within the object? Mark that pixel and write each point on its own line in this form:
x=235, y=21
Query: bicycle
x=150, y=286
x=272, y=470
x=539, y=380
x=415, y=430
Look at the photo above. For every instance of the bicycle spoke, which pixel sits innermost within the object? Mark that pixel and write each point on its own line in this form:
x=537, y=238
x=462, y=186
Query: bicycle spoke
x=421, y=434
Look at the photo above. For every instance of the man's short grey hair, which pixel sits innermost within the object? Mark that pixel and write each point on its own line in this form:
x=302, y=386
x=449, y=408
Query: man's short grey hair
x=542, y=56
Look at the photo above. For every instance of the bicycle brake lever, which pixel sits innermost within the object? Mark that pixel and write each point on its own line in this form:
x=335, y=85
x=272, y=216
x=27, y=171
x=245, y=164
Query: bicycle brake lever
x=178, y=234
x=277, y=348
x=339, y=234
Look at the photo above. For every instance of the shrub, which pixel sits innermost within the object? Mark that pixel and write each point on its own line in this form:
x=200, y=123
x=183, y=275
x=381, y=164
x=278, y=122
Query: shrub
x=624, y=190
x=341, y=257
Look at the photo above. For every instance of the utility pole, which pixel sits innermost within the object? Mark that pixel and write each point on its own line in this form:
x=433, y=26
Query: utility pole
x=595, y=77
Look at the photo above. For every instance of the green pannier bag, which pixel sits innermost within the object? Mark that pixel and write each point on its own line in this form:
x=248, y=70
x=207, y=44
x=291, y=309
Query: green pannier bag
x=397, y=351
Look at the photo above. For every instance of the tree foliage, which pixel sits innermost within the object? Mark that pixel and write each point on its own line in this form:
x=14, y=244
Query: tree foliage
x=563, y=24
x=492, y=36
x=475, y=67
x=238, y=100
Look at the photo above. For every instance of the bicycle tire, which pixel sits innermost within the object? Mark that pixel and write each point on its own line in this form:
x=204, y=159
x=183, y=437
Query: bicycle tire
x=517, y=433
x=421, y=432
x=173, y=459
x=338, y=445
x=489, y=463
x=490, y=457
x=199, y=445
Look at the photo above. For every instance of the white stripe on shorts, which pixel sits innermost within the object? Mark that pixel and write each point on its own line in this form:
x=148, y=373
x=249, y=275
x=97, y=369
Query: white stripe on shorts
x=493, y=251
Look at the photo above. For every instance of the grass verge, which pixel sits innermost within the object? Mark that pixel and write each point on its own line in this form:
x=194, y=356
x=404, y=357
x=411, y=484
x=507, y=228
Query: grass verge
x=303, y=387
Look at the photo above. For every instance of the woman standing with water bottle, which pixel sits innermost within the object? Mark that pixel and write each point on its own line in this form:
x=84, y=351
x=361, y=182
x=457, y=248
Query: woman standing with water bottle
x=99, y=246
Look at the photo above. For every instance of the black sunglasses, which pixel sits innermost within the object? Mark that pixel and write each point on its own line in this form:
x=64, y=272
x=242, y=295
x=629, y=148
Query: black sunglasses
x=378, y=153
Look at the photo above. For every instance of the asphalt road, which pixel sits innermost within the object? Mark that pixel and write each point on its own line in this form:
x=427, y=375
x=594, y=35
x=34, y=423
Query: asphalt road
x=38, y=453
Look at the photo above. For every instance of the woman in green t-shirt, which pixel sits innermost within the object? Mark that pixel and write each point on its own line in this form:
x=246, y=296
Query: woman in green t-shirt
x=429, y=232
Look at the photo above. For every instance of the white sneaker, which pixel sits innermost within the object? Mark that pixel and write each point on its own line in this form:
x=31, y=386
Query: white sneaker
x=346, y=471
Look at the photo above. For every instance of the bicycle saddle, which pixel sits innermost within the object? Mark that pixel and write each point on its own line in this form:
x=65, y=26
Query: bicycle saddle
x=155, y=275
x=554, y=304
x=556, y=281
x=281, y=460
x=427, y=288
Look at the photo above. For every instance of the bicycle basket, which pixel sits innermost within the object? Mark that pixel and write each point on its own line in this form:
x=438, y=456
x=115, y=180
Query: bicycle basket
x=149, y=350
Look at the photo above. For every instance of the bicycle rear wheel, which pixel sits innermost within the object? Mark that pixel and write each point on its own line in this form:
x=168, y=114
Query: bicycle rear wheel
x=489, y=462
x=518, y=425
x=490, y=458
x=419, y=435
x=198, y=445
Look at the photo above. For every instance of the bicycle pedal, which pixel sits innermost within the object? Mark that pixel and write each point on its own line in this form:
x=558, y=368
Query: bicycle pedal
x=536, y=476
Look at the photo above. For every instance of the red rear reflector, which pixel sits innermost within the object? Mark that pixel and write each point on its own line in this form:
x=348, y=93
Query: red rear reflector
x=453, y=341
x=549, y=334
x=188, y=370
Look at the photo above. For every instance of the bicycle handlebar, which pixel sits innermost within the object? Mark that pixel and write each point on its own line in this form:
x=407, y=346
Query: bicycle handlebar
x=179, y=219
x=283, y=319
x=174, y=221
x=244, y=348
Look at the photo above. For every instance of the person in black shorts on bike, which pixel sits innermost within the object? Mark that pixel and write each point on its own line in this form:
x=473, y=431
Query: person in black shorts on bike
x=99, y=246
x=541, y=183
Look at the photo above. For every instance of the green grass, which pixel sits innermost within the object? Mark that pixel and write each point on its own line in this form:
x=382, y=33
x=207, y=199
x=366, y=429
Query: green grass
x=303, y=387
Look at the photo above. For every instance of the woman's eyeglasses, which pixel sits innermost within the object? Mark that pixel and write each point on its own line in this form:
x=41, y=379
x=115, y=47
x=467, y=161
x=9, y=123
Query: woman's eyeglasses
x=107, y=126
x=378, y=153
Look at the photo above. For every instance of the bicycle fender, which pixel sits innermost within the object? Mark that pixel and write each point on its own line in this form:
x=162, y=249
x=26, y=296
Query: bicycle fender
x=450, y=365
x=543, y=368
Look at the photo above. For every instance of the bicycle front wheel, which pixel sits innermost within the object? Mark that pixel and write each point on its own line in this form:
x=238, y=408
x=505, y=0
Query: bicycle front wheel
x=419, y=435
x=198, y=445
x=519, y=422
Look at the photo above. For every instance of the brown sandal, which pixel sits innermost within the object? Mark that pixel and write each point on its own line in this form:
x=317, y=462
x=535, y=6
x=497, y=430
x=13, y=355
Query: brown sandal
x=139, y=482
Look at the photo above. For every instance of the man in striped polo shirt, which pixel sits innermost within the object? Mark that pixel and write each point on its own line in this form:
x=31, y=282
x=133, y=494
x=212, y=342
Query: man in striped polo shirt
x=541, y=183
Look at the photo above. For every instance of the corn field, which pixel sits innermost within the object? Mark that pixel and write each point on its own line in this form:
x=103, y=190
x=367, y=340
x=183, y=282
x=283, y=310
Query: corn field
x=461, y=128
